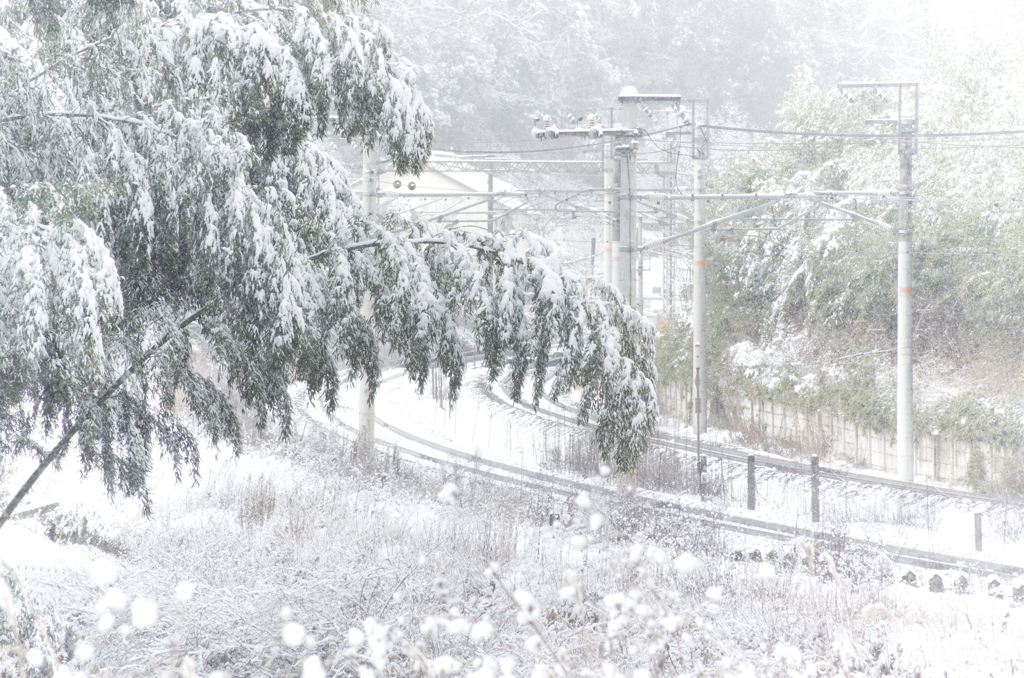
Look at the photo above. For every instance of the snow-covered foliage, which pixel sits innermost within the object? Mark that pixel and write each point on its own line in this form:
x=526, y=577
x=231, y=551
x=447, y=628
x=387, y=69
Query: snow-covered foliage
x=833, y=280
x=161, y=183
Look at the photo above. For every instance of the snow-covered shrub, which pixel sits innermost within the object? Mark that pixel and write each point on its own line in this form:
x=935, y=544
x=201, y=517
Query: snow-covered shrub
x=32, y=643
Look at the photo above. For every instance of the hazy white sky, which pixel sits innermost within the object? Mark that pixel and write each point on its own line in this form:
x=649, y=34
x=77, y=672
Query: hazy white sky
x=976, y=16
x=999, y=23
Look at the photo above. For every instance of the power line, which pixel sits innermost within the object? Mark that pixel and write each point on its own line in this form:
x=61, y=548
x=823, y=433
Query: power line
x=548, y=149
x=593, y=144
x=864, y=135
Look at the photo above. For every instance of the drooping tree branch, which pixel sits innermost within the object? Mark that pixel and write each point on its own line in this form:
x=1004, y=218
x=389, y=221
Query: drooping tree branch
x=127, y=119
x=109, y=391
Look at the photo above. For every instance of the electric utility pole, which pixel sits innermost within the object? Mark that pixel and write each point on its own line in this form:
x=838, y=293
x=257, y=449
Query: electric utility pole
x=618, y=204
x=904, y=317
x=699, y=150
x=490, y=202
x=906, y=135
x=366, y=421
x=612, y=176
x=670, y=283
x=628, y=278
x=629, y=100
x=609, y=210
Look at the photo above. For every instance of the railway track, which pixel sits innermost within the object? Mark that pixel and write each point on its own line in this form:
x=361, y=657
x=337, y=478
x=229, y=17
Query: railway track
x=444, y=455
x=566, y=414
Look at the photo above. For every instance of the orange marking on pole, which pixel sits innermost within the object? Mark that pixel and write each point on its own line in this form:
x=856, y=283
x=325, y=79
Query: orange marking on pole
x=698, y=263
x=905, y=290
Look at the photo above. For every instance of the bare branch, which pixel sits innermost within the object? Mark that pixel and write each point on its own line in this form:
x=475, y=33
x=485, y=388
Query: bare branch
x=77, y=114
x=80, y=51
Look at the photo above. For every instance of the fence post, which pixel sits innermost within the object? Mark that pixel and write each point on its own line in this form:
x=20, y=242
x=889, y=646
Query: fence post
x=751, y=494
x=702, y=464
x=977, y=531
x=815, y=514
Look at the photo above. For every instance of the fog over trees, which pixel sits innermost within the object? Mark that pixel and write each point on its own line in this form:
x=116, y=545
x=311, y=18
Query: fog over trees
x=485, y=68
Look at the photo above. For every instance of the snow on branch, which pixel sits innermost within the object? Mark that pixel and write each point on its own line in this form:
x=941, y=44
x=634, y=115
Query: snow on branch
x=204, y=189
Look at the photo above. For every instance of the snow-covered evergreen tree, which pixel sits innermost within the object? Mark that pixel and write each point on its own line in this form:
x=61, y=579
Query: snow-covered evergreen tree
x=161, y=185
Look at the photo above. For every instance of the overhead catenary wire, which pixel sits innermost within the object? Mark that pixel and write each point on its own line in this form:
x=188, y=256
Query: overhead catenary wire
x=592, y=143
x=865, y=135
x=814, y=142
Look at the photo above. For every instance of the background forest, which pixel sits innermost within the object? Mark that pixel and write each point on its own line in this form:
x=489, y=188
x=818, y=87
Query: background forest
x=485, y=68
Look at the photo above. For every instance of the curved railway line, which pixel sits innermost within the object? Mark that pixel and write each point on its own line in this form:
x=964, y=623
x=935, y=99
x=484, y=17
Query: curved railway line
x=496, y=471
x=781, y=464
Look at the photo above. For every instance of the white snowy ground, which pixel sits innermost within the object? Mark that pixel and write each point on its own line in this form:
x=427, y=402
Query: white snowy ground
x=480, y=425
x=945, y=634
x=477, y=424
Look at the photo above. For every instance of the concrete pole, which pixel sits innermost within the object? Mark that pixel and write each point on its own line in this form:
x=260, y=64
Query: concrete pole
x=815, y=490
x=623, y=262
x=700, y=416
x=668, y=265
x=904, y=324
x=490, y=203
x=627, y=214
x=616, y=213
x=609, y=208
x=751, y=484
x=639, y=298
x=366, y=417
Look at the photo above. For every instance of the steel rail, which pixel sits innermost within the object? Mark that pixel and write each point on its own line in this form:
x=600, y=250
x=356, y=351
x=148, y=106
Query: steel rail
x=507, y=473
x=793, y=466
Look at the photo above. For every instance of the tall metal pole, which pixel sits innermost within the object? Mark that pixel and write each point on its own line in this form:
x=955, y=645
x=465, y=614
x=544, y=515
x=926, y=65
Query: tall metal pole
x=701, y=463
x=700, y=409
x=366, y=417
x=638, y=299
x=668, y=266
x=616, y=269
x=593, y=257
x=609, y=209
x=621, y=251
x=904, y=318
x=627, y=212
x=815, y=490
x=906, y=133
x=490, y=202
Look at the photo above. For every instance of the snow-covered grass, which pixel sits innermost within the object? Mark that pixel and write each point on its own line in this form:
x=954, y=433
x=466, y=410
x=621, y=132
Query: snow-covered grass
x=298, y=559
x=483, y=422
